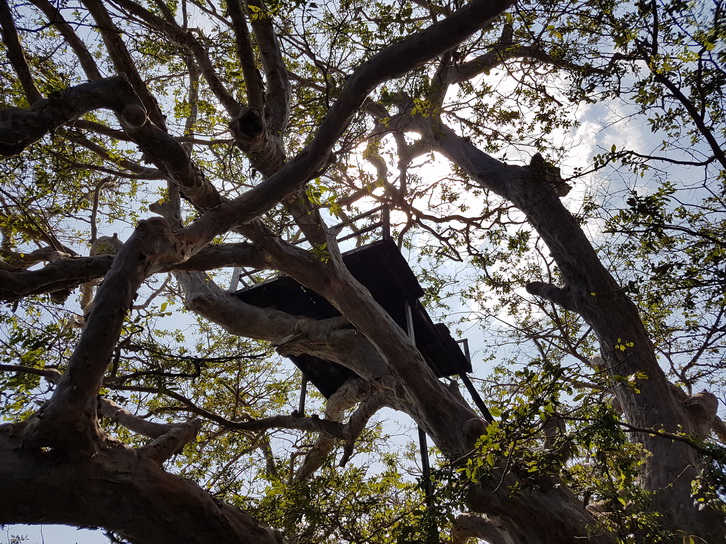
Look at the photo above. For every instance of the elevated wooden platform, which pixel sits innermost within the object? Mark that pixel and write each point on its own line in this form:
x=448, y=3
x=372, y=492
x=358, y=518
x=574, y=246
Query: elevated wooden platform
x=382, y=269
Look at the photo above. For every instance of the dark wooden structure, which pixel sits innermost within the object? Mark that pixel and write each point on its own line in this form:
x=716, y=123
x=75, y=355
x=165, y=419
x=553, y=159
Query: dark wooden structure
x=382, y=269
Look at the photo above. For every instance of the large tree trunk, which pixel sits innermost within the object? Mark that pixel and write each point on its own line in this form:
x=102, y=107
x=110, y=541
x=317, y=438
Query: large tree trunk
x=591, y=291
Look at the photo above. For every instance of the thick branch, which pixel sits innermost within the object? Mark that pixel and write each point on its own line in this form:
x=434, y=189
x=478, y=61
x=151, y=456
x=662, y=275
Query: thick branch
x=69, y=418
x=345, y=346
x=122, y=60
x=15, y=53
x=56, y=19
x=358, y=421
x=202, y=295
x=186, y=39
x=253, y=80
x=169, y=437
x=595, y=295
x=558, y=295
x=394, y=61
x=468, y=526
x=132, y=497
x=543, y=512
x=69, y=273
x=278, y=85
x=170, y=156
x=21, y=127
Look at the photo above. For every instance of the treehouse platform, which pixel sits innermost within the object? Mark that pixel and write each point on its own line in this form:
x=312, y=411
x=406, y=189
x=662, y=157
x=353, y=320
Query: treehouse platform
x=382, y=269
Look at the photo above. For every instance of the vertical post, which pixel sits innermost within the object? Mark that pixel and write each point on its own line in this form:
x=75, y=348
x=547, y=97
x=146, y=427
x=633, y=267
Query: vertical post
x=386, y=222
x=432, y=530
x=409, y=323
x=464, y=342
x=303, y=393
x=234, y=282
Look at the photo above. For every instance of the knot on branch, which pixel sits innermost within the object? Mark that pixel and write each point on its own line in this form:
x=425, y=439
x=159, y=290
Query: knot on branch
x=159, y=243
x=252, y=136
x=248, y=125
x=133, y=116
x=558, y=295
x=702, y=409
x=475, y=427
x=542, y=171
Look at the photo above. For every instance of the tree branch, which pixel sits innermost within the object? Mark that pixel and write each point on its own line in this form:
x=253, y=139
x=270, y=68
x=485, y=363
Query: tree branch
x=151, y=429
x=297, y=422
x=392, y=62
x=358, y=422
x=350, y=393
x=122, y=60
x=149, y=495
x=171, y=442
x=15, y=53
x=186, y=39
x=69, y=417
x=56, y=19
x=676, y=91
x=253, y=80
x=21, y=127
x=278, y=86
x=559, y=295
x=70, y=272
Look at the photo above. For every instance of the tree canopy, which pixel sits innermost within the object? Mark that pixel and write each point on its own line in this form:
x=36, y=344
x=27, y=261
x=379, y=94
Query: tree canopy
x=553, y=172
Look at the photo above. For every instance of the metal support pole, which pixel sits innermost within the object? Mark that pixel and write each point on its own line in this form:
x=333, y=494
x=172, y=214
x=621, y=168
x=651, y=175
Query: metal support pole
x=470, y=386
x=409, y=323
x=477, y=399
x=464, y=342
x=303, y=394
x=431, y=529
x=386, y=221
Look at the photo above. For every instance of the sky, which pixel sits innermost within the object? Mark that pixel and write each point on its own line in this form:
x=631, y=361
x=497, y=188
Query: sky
x=50, y=534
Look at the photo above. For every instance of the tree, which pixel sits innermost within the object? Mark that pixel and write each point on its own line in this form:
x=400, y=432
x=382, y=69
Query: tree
x=222, y=134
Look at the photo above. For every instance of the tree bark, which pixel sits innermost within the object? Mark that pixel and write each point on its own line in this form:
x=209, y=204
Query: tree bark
x=120, y=489
x=591, y=291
